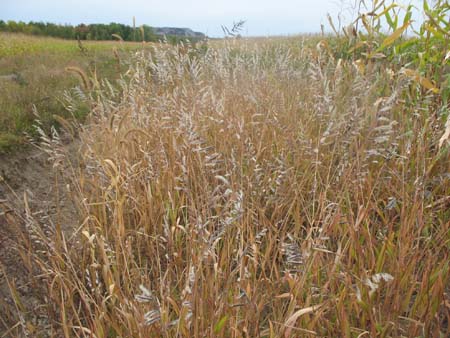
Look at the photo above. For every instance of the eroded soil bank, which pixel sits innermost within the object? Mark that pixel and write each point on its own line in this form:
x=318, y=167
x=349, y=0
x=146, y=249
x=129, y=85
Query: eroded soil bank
x=30, y=180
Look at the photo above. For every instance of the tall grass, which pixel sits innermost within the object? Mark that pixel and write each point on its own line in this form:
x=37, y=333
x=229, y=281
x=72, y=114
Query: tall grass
x=255, y=189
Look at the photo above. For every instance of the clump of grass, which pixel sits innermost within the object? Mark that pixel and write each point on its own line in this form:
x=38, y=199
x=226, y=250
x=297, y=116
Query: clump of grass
x=247, y=190
x=7, y=141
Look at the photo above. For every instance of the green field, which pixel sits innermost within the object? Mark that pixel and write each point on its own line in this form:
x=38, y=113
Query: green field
x=33, y=78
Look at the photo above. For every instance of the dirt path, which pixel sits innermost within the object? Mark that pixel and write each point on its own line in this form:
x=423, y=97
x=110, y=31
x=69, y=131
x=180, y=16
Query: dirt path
x=29, y=174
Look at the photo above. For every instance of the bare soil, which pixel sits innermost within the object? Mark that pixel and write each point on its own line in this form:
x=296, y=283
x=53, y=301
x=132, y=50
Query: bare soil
x=28, y=174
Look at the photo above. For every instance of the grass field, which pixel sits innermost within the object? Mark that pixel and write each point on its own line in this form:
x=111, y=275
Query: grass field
x=283, y=187
x=33, y=78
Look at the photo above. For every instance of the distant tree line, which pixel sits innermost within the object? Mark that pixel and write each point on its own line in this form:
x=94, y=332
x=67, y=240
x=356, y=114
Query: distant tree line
x=81, y=31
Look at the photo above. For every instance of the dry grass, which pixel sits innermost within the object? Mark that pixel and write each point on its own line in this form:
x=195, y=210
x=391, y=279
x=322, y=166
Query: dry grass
x=254, y=189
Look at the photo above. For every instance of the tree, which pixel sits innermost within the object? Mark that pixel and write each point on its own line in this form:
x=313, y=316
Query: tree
x=81, y=31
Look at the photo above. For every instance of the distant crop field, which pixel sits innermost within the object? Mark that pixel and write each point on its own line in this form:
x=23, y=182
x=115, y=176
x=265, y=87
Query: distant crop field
x=18, y=44
x=33, y=79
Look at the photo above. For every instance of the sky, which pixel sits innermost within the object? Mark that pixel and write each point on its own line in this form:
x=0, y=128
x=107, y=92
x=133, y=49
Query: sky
x=263, y=17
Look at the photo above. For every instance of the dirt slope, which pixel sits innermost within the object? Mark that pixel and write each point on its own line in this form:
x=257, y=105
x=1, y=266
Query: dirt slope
x=29, y=175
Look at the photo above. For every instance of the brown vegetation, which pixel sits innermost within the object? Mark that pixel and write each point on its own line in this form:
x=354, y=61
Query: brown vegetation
x=254, y=191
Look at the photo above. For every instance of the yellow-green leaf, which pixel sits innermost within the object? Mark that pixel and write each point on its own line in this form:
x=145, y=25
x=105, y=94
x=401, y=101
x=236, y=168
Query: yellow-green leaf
x=220, y=324
x=357, y=46
x=387, y=9
x=423, y=81
x=366, y=24
x=394, y=36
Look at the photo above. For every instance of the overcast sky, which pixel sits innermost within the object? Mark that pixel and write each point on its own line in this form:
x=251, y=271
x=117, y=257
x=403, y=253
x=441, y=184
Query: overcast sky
x=264, y=17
